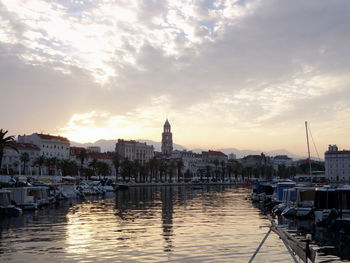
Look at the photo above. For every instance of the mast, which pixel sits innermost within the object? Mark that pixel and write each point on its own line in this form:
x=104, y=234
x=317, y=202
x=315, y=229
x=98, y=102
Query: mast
x=308, y=148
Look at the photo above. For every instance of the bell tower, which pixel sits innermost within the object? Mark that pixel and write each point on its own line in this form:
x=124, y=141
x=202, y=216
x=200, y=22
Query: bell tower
x=167, y=139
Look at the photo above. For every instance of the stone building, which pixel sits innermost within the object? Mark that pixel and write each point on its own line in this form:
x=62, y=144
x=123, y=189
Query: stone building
x=337, y=164
x=210, y=156
x=134, y=150
x=12, y=159
x=50, y=145
x=167, y=139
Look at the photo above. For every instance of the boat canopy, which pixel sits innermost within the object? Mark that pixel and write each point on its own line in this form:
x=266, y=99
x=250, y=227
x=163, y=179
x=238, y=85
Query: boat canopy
x=280, y=187
x=332, y=198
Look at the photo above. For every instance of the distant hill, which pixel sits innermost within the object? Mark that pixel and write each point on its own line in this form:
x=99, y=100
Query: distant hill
x=106, y=145
x=158, y=145
x=242, y=153
x=109, y=145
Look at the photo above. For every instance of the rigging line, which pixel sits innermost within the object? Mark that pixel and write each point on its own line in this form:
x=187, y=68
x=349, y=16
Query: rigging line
x=313, y=142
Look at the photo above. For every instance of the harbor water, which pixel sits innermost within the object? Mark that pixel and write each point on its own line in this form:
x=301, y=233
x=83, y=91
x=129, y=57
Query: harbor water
x=145, y=224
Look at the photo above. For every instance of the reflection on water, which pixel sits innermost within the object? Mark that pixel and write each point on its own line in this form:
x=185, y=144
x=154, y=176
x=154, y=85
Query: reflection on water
x=144, y=224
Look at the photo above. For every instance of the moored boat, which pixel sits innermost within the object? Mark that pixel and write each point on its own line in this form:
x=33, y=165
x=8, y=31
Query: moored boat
x=6, y=208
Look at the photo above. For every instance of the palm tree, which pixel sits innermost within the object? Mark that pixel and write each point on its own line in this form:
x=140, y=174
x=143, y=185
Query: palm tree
x=24, y=159
x=82, y=155
x=171, y=171
x=151, y=168
x=40, y=162
x=208, y=168
x=6, y=141
x=51, y=164
x=229, y=170
x=163, y=168
x=237, y=168
x=201, y=172
x=126, y=169
x=68, y=167
x=135, y=169
x=116, y=163
x=216, y=163
x=93, y=165
x=223, y=169
x=179, y=165
x=103, y=169
x=144, y=170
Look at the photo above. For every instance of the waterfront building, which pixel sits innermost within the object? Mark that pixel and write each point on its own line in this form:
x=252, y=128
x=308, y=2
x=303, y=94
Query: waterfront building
x=94, y=149
x=12, y=159
x=337, y=164
x=190, y=160
x=106, y=157
x=74, y=151
x=134, y=150
x=281, y=160
x=232, y=156
x=50, y=145
x=252, y=161
x=210, y=156
x=167, y=139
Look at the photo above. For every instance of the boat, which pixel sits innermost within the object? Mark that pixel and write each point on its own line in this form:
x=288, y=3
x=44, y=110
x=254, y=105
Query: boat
x=332, y=208
x=262, y=193
x=286, y=208
x=6, y=208
x=29, y=198
x=280, y=193
x=305, y=199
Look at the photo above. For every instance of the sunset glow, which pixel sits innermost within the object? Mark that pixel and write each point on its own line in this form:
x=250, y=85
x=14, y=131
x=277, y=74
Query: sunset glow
x=240, y=74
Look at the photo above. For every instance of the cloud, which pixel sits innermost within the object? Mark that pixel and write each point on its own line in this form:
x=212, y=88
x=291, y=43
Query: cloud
x=254, y=68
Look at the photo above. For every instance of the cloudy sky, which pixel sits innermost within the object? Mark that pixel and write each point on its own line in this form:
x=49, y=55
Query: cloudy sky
x=235, y=73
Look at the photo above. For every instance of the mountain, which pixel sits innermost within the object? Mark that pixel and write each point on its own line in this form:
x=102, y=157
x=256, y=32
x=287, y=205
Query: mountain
x=109, y=145
x=106, y=145
x=242, y=153
x=158, y=145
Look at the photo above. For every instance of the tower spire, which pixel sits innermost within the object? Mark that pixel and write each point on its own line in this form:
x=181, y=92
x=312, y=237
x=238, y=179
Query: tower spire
x=167, y=138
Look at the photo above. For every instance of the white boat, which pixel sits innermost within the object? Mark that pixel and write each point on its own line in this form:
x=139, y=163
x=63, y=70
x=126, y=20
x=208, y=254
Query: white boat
x=305, y=201
x=29, y=198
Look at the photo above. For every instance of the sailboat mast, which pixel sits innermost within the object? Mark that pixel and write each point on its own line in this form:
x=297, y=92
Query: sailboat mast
x=308, y=147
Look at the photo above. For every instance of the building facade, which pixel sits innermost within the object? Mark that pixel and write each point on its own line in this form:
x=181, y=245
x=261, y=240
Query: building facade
x=232, y=156
x=281, y=160
x=50, y=145
x=94, y=149
x=134, y=150
x=11, y=161
x=210, y=156
x=167, y=139
x=337, y=164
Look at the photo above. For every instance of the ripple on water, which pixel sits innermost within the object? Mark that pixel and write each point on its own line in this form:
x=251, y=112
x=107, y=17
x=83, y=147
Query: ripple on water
x=150, y=224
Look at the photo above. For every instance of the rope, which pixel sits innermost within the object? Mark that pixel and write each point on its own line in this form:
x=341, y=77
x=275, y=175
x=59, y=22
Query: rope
x=290, y=251
x=257, y=250
x=313, y=142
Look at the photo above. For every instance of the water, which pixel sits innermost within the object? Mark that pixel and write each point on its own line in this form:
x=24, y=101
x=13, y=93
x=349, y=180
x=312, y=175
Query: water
x=145, y=224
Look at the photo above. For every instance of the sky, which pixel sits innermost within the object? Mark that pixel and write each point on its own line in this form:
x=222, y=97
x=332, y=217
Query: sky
x=245, y=74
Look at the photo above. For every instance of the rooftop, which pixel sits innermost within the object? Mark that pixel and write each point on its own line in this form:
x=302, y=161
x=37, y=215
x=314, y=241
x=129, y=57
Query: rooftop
x=52, y=137
x=215, y=153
